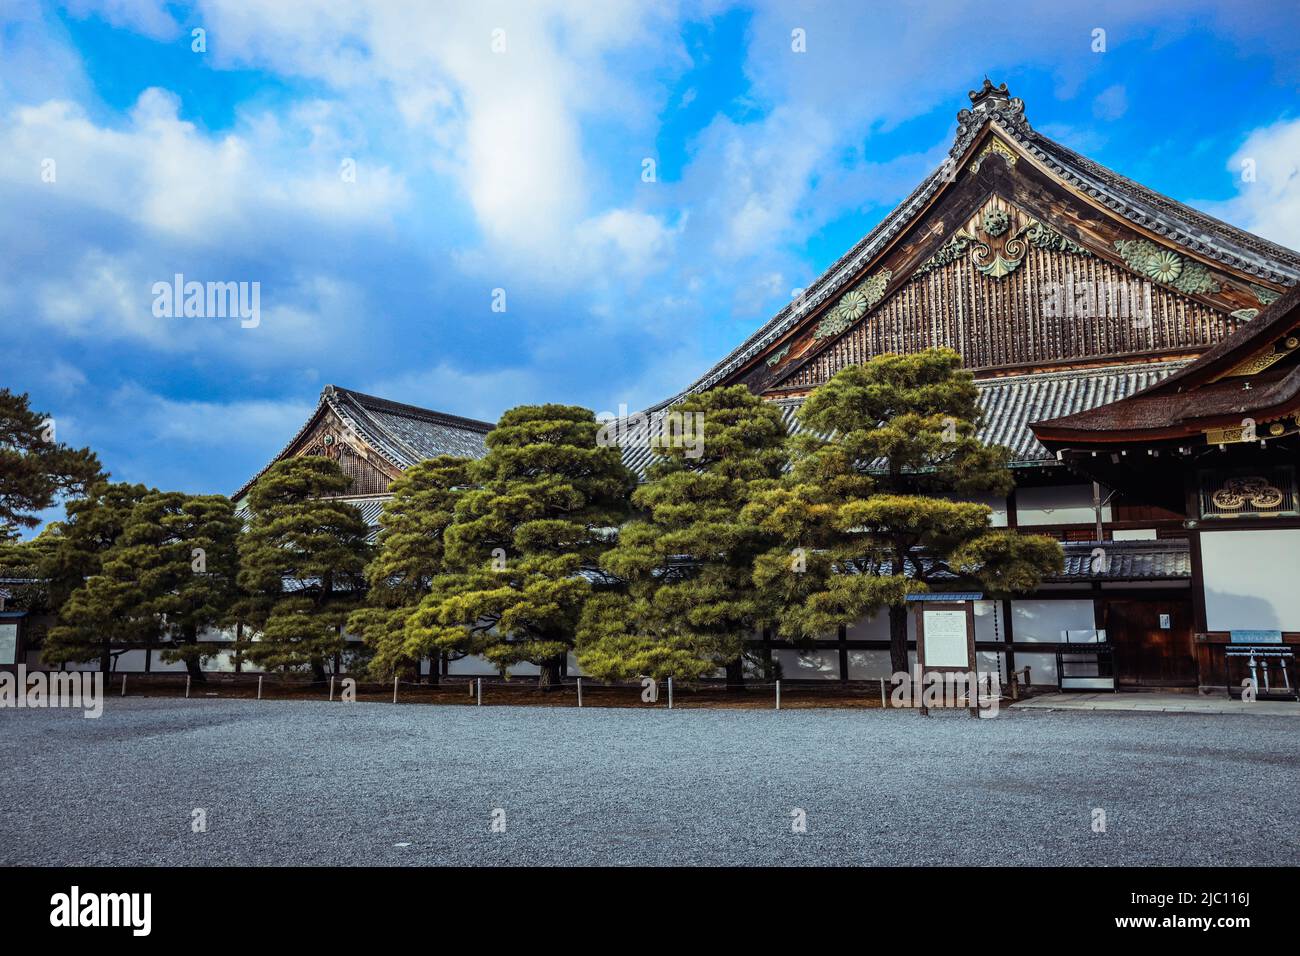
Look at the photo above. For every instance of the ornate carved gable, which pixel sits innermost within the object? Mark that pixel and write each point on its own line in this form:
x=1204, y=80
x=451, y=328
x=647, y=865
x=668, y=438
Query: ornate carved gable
x=335, y=438
x=1020, y=254
x=1008, y=291
x=374, y=439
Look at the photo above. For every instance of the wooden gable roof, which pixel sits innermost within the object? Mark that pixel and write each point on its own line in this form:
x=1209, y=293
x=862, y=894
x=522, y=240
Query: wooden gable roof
x=997, y=254
x=375, y=439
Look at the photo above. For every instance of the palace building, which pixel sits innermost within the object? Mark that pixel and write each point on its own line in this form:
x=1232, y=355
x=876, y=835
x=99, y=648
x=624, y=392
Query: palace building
x=374, y=441
x=1138, y=357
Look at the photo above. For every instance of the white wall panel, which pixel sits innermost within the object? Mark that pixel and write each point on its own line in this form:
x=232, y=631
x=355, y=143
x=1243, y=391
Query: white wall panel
x=1058, y=504
x=1250, y=579
x=808, y=665
x=1042, y=667
x=472, y=666
x=869, y=665
x=1046, y=620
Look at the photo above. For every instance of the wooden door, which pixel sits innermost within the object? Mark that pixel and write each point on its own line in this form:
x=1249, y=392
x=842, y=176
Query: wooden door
x=1146, y=654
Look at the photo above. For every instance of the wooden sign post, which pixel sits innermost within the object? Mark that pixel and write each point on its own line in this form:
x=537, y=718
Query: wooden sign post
x=945, y=641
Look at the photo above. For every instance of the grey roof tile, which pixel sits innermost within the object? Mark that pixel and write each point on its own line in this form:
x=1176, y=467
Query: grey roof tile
x=403, y=434
x=1010, y=403
x=1163, y=559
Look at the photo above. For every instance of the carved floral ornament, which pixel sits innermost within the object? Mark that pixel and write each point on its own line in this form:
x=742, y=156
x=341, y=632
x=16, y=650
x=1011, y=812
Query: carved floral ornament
x=854, y=304
x=1254, y=490
x=995, y=259
x=1166, y=266
x=775, y=358
x=995, y=147
x=1265, y=298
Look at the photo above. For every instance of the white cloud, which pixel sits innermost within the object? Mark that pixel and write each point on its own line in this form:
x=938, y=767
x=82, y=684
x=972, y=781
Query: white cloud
x=507, y=125
x=233, y=425
x=634, y=243
x=483, y=394
x=1111, y=103
x=161, y=173
x=143, y=436
x=1270, y=205
x=104, y=302
x=148, y=17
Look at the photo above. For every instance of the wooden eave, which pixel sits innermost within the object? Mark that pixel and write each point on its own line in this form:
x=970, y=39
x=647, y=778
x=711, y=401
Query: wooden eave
x=1268, y=396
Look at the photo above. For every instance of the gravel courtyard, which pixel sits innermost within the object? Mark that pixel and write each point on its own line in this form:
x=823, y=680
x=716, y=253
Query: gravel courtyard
x=314, y=783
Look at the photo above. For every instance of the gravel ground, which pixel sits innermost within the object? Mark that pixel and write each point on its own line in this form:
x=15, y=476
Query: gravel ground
x=288, y=783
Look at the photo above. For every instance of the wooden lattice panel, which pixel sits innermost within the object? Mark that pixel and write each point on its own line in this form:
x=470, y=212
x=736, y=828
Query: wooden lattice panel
x=1056, y=308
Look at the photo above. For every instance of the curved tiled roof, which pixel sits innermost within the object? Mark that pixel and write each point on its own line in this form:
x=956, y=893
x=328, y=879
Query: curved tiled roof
x=402, y=434
x=1162, y=559
x=1173, y=221
x=1010, y=404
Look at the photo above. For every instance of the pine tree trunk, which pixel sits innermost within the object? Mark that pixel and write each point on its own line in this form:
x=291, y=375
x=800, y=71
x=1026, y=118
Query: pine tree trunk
x=898, y=638
x=736, y=674
x=195, y=671
x=548, y=676
x=318, y=670
x=192, y=666
x=105, y=659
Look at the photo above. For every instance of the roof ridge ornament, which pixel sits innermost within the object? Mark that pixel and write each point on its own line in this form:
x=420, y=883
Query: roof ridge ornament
x=989, y=103
x=980, y=98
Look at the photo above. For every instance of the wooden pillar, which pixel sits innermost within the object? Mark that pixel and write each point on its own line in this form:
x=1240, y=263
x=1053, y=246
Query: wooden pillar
x=844, y=654
x=1192, y=512
x=1009, y=637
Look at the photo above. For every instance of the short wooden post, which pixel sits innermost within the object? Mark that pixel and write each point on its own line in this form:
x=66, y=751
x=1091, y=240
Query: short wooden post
x=883, y=702
x=670, y=693
x=479, y=683
x=123, y=685
x=259, y=686
x=187, y=686
x=331, y=687
x=778, y=695
x=394, y=688
x=579, y=691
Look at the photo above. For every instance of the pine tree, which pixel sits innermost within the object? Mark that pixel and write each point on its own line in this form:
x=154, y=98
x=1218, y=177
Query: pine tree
x=89, y=625
x=302, y=560
x=409, y=556
x=687, y=600
x=22, y=564
x=546, y=497
x=35, y=468
x=179, y=553
x=873, y=506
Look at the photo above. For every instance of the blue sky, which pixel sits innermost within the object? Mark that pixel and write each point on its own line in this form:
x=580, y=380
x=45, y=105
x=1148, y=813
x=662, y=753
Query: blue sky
x=521, y=168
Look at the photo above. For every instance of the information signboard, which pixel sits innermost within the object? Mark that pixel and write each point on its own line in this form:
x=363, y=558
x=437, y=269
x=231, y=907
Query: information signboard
x=945, y=641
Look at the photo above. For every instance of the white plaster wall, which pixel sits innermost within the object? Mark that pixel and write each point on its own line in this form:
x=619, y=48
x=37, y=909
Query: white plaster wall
x=1042, y=667
x=989, y=625
x=1250, y=579
x=1037, y=621
x=808, y=665
x=1060, y=504
x=1134, y=534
